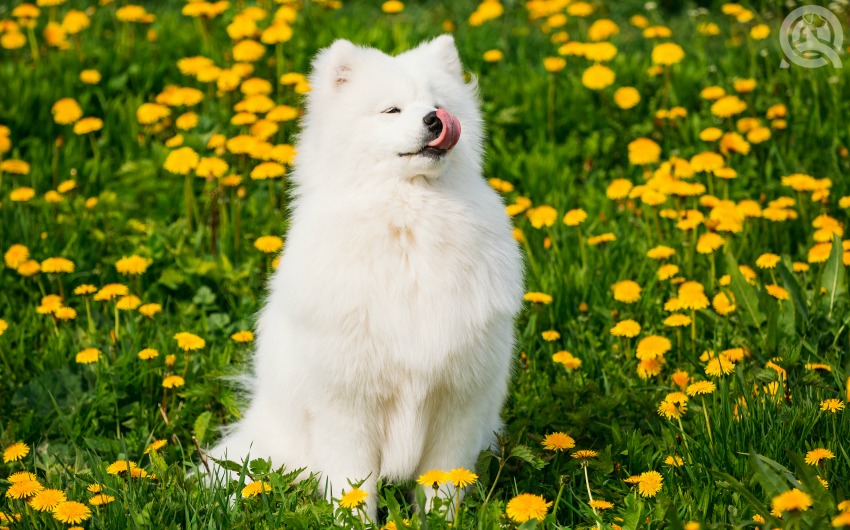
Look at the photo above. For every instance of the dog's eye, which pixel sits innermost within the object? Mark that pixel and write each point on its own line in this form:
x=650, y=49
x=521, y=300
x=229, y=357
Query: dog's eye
x=392, y=110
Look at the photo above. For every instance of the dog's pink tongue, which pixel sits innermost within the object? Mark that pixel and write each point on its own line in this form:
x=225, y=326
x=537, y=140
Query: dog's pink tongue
x=451, y=131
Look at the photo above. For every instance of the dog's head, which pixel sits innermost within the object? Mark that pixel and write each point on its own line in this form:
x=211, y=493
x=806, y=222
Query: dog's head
x=408, y=115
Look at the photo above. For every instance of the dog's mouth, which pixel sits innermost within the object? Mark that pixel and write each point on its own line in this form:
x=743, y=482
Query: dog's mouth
x=446, y=132
x=428, y=151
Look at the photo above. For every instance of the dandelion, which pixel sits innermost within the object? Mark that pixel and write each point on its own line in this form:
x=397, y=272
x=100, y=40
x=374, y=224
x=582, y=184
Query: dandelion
x=353, y=498
x=268, y=244
x=149, y=310
x=66, y=111
x=88, y=356
x=538, y=298
x=148, y=354
x=667, y=54
x=643, y=151
x=461, y=477
x=554, y=64
x=719, y=366
x=674, y=461
x=255, y=488
x=626, y=291
x=111, y=291
x=47, y=500
x=23, y=489
x=558, y=441
x=792, y=500
x=120, y=466
x=527, y=506
x=133, y=265
x=626, y=328
x=189, y=341
x=626, y=97
x=600, y=504
x=575, y=217
x=567, y=359
x=493, y=56
x=598, y=77
x=433, y=479
x=827, y=405
x=652, y=347
x=542, y=216
x=650, y=483
x=584, y=454
x=181, y=161
x=814, y=456
x=701, y=387
x=71, y=512
x=777, y=292
x=101, y=499
x=550, y=335
x=15, y=452
x=243, y=336
x=173, y=381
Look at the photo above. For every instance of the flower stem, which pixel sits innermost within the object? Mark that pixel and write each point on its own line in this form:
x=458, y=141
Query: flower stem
x=590, y=495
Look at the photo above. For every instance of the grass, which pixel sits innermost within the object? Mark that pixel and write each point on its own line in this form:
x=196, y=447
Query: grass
x=554, y=142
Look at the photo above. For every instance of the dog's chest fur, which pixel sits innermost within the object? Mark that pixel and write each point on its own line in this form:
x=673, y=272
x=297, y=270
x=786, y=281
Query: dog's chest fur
x=415, y=278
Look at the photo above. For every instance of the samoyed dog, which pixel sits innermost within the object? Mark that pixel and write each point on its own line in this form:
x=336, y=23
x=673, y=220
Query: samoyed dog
x=385, y=345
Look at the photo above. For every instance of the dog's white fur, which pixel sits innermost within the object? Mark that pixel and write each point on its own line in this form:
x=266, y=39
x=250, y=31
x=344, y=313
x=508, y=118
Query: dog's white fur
x=384, y=348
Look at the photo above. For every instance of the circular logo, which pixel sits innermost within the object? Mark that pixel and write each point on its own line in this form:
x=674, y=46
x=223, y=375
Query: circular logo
x=811, y=37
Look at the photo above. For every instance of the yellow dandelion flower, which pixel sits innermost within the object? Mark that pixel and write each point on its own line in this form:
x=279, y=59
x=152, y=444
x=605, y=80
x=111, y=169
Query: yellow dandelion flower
x=66, y=111
x=584, y=454
x=101, y=499
x=15, y=452
x=789, y=501
x=148, y=354
x=268, y=244
x=21, y=476
x=575, y=217
x=652, y=347
x=650, y=483
x=47, y=500
x=527, y=506
x=600, y=504
x=243, y=336
x=814, y=456
x=719, y=366
x=597, y=77
x=156, y=445
x=701, y=387
x=133, y=265
x=777, y=292
x=23, y=489
x=149, y=310
x=189, y=341
x=550, y=335
x=173, y=381
x=667, y=54
x=353, y=498
x=626, y=291
x=71, y=512
x=827, y=405
x=626, y=97
x=461, y=477
x=558, y=441
x=567, y=359
x=181, y=161
x=433, y=479
x=16, y=255
x=674, y=461
x=493, y=56
x=88, y=356
x=677, y=320
x=643, y=151
x=626, y=328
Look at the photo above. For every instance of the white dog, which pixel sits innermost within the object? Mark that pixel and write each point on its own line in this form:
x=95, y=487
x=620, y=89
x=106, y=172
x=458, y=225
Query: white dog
x=384, y=349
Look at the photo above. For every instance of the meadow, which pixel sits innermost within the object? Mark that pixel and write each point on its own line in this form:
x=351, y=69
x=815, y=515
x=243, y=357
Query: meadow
x=681, y=201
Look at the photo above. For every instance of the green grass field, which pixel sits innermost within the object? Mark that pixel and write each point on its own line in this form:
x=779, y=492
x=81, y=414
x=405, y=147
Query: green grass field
x=680, y=198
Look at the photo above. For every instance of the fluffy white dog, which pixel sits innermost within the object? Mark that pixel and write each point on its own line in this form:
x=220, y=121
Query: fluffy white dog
x=384, y=348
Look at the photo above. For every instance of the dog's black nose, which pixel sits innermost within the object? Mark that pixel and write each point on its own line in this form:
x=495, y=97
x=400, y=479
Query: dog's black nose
x=433, y=123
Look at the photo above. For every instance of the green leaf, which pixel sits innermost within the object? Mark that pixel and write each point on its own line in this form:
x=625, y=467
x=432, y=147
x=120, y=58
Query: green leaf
x=523, y=452
x=632, y=517
x=672, y=518
x=793, y=286
x=202, y=422
x=745, y=295
x=754, y=501
x=833, y=276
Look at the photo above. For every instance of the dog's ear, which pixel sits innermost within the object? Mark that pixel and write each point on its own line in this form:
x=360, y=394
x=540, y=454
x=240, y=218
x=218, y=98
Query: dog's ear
x=443, y=49
x=333, y=65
